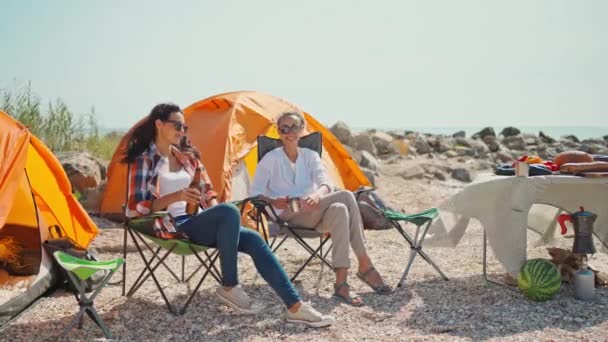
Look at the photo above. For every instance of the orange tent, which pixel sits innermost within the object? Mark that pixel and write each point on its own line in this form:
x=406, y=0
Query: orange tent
x=35, y=194
x=225, y=129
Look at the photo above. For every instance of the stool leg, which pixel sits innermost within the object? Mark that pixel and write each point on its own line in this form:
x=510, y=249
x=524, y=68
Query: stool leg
x=124, y=266
x=95, y=317
x=72, y=323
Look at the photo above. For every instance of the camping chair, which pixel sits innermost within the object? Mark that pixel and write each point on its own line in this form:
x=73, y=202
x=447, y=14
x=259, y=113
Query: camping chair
x=422, y=221
x=141, y=229
x=78, y=271
x=312, y=141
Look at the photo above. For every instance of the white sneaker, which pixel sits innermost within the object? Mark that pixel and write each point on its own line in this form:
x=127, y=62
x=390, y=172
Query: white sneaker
x=309, y=316
x=237, y=299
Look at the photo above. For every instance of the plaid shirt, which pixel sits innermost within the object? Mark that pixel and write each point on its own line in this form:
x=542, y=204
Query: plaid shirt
x=143, y=180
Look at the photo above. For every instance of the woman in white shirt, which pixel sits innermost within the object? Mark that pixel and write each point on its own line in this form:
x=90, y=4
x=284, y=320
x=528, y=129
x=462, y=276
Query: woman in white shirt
x=291, y=171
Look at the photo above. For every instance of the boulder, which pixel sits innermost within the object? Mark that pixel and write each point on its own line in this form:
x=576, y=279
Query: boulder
x=383, y=143
x=464, y=151
x=545, y=138
x=343, y=133
x=571, y=137
x=363, y=142
x=515, y=142
x=91, y=198
x=480, y=149
x=444, y=144
x=462, y=175
x=605, y=137
x=451, y=154
x=459, y=134
x=493, y=146
x=411, y=172
x=462, y=142
x=483, y=133
x=369, y=161
x=84, y=171
x=504, y=157
x=422, y=146
x=510, y=131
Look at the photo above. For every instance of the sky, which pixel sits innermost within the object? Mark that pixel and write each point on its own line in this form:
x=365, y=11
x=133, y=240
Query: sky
x=368, y=63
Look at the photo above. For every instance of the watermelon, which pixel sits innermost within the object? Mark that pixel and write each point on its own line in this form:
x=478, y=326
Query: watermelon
x=539, y=279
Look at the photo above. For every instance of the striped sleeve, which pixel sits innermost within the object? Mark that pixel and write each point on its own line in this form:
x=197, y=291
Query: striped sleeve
x=140, y=197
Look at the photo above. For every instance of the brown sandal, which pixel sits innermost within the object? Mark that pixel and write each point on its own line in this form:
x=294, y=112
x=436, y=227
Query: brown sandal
x=346, y=298
x=382, y=289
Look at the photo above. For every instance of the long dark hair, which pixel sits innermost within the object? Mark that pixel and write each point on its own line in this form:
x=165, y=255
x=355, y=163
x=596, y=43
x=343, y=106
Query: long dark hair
x=144, y=134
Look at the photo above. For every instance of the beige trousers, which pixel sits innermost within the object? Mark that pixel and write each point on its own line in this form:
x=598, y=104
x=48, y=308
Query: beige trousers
x=337, y=214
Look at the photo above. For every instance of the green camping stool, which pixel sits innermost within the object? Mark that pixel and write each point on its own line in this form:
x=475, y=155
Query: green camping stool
x=79, y=270
x=422, y=221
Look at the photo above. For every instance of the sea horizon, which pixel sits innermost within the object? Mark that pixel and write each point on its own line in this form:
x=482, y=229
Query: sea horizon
x=581, y=132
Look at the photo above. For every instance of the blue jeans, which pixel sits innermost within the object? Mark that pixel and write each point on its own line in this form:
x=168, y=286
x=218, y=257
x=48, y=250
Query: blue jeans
x=220, y=227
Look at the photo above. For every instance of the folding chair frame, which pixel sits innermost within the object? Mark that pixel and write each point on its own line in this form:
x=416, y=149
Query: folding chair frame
x=416, y=248
x=86, y=305
x=150, y=268
x=263, y=207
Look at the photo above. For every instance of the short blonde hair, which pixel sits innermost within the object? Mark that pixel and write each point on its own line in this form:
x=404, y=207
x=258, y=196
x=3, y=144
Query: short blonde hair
x=294, y=115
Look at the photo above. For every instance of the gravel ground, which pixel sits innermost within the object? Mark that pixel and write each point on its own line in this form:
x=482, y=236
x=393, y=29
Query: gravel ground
x=425, y=309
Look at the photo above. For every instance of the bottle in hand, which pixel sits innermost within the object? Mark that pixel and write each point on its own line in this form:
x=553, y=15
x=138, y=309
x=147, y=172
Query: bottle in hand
x=192, y=208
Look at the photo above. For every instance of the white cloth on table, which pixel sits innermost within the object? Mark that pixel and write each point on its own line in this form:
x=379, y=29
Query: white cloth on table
x=502, y=204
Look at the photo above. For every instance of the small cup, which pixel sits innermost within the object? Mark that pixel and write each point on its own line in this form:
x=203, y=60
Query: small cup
x=522, y=169
x=294, y=204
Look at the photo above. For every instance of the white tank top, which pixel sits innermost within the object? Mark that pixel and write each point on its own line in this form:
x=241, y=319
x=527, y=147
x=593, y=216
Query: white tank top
x=171, y=182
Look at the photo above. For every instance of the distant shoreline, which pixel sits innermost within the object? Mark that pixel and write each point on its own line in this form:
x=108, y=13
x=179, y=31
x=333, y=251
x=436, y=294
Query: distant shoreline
x=581, y=132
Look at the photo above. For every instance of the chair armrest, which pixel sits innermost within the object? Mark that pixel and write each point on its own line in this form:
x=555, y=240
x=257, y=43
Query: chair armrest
x=266, y=209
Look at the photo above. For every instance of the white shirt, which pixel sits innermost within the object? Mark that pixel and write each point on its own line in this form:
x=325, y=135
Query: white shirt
x=173, y=181
x=275, y=177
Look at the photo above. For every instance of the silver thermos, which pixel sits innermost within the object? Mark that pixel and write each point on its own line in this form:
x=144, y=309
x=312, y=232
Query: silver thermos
x=584, y=284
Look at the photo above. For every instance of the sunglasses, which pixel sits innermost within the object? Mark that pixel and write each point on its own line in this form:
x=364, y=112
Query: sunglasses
x=178, y=125
x=284, y=129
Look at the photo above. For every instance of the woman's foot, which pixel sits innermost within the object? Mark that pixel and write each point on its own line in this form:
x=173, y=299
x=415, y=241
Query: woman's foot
x=372, y=278
x=307, y=315
x=238, y=299
x=342, y=292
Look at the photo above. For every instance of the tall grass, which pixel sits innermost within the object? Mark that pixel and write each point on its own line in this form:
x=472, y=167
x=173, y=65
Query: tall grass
x=59, y=127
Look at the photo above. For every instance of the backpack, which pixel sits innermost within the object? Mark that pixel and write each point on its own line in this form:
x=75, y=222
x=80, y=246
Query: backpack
x=59, y=241
x=372, y=209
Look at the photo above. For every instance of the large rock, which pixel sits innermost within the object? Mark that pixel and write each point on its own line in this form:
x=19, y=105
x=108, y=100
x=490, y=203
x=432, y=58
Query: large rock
x=545, y=138
x=459, y=134
x=515, y=142
x=411, y=172
x=462, y=142
x=480, y=149
x=383, y=143
x=483, y=133
x=84, y=171
x=504, y=157
x=462, y=175
x=571, y=137
x=510, y=131
x=363, y=142
x=369, y=161
x=422, y=146
x=343, y=133
x=444, y=144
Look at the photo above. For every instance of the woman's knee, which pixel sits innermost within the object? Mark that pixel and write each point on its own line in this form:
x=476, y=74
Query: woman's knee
x=339, y=210
x=249, y=240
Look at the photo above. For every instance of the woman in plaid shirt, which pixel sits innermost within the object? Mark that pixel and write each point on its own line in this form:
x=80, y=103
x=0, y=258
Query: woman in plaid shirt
x=162, y=166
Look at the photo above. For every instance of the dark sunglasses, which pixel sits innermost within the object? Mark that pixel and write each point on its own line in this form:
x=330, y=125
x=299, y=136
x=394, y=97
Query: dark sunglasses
x=178, y=125
x=284, y=129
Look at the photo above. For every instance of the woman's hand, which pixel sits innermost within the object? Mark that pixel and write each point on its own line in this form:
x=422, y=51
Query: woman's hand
x=311, y=201
x=190, y=195
x=280, y=202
